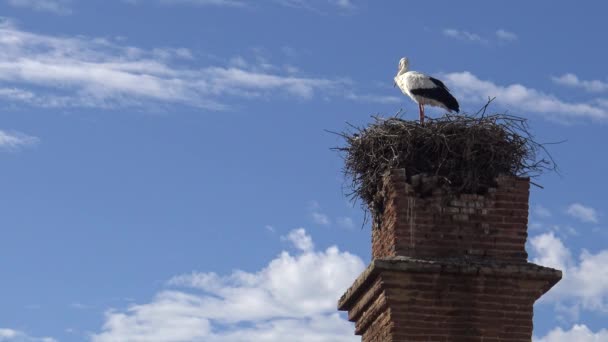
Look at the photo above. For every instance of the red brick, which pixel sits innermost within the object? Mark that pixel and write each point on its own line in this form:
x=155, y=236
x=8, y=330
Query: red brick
x=449, y=268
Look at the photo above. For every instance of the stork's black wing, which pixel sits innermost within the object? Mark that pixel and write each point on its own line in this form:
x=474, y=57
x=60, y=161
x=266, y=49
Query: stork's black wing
x=439, y=93
x=439, y=83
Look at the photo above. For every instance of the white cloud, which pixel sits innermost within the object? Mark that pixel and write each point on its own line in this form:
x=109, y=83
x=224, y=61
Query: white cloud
x=49, y=71
x=303, y=4
x=578, y=333
x=501, y=35
x=292, y=299
x=318, y=217
x=583, y=213
x=585, y=281
x=382, y=99
x=343, y=3
x=11, y=335
x=463, y=35
x=550, y=251
x=307, y=4
x=300, y=240
x=506, y=35
x=16, y=140
x=228, y=3
x=571, y=80
x=516, y=97
x=53, y=6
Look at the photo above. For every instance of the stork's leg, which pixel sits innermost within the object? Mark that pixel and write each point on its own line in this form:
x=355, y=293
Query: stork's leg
x=422, y=114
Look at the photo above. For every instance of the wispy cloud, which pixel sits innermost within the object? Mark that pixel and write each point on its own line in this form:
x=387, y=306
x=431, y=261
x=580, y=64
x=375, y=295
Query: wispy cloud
x=382, y=99
x=582, y=212
x=571, y=80
x=516, y=97
x=50, y=71
x=506, y=35
x=227, y=3
x=16, y=140
x=320, y=218
x=541, y=211
x=53, y=6
x=346, y=222
x=343, y=3
x=307, y=4
x=293, y=298
x=463, y=35
x=317, y=215
x=501, y=35
x=301, y=4
x=11, y=335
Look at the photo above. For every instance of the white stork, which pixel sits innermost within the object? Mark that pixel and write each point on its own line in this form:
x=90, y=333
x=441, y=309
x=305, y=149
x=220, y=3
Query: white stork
x=424, y=90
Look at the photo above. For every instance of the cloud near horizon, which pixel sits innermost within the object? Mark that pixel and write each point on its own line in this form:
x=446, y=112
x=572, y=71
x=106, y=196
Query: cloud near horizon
x=584, y=285
x=578, y=333
x=12, y=335
x=293, y=298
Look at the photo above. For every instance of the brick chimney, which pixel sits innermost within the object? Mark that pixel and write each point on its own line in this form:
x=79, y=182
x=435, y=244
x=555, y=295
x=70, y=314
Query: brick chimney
x=448, y=267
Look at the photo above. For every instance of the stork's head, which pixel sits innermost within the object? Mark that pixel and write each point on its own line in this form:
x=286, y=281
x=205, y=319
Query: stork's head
x=403, y=65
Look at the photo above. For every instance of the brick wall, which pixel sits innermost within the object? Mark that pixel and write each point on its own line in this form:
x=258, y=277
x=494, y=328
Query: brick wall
x=448, y=268
x=443, y=225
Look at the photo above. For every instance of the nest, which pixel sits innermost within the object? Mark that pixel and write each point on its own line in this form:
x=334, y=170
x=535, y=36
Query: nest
x=465, y=153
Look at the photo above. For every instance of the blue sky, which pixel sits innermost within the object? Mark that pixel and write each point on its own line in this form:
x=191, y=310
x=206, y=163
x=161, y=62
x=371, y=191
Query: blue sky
x=167, y=174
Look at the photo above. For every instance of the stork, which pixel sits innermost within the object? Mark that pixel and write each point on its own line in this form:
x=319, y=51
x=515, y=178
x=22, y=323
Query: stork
x=424, y=90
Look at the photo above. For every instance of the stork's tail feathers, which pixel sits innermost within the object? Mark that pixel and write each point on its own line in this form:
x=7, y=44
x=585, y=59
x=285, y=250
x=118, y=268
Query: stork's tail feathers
x=451, y=103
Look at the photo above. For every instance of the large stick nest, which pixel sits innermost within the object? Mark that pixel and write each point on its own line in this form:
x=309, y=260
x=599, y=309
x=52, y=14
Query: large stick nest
x=466, y=153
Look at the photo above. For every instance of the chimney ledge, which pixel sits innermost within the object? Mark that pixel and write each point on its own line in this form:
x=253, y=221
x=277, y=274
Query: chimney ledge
x=489, y=268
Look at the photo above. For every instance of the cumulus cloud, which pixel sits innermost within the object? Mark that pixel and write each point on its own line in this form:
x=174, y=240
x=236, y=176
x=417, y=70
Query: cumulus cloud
x=516, y=97
x=53, y=6
x=300, y=240
x=11, y=335
x=578, y=333
x=16, y=140
x=585, y=280
x=582, y=212
x=293, y=298
x=571, y=80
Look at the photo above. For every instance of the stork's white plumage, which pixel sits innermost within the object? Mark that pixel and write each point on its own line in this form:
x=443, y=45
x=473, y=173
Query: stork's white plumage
x=424, y=90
